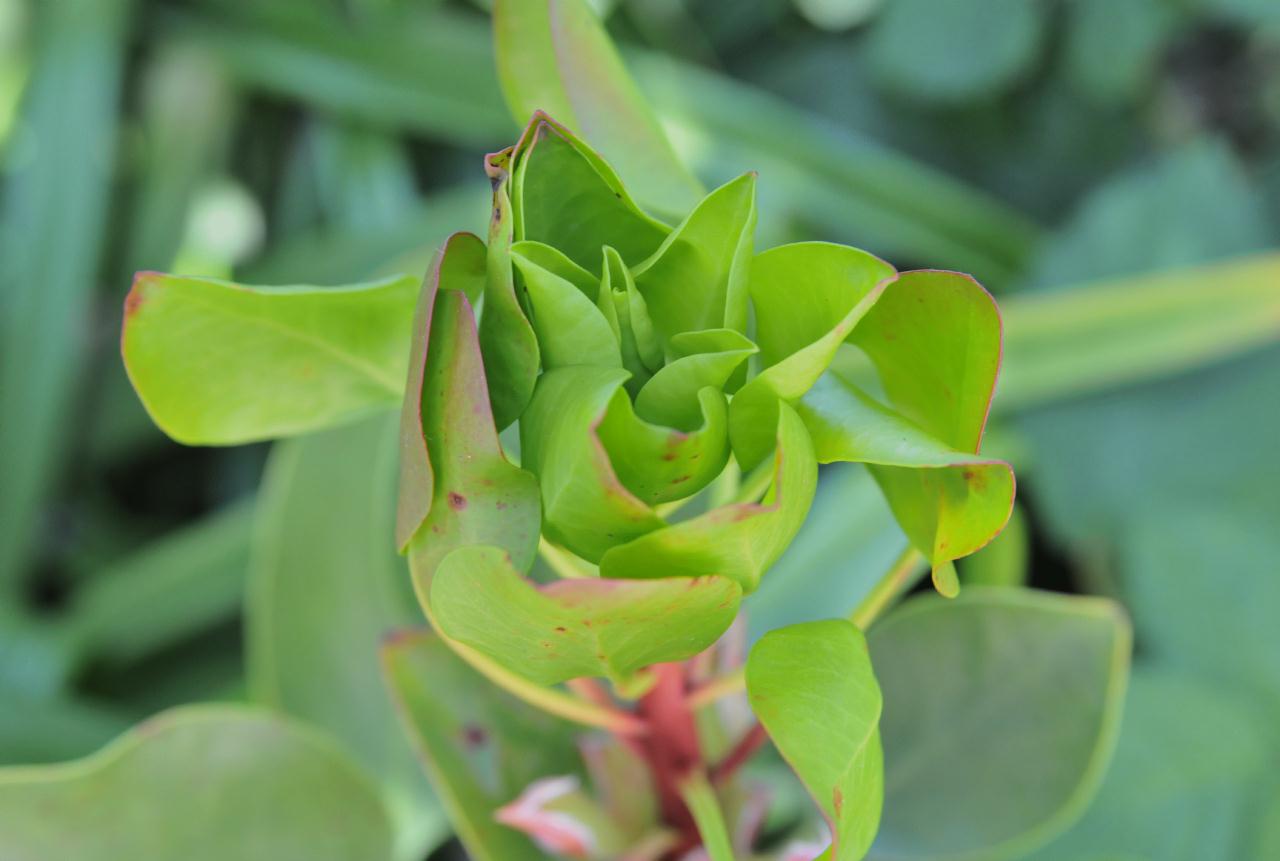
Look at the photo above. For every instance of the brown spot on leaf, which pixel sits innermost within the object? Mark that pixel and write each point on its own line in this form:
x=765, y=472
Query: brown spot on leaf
x=474, y=736
x=560, y=629
x=457, y=501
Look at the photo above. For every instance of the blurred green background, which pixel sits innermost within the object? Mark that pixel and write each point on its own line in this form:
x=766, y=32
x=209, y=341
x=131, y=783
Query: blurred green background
x=1039, y=144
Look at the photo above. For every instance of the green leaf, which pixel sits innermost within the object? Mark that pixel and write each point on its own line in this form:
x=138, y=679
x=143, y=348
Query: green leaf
x=555, y=56
x=998, y=688
x=1189, y=768
x=952, y=52
x=202, y=783
x=808, y=297
x=288, y=359
x=576, y=628
x=812, y=688
x=567, y=197
x=456, y=485
x=628, y=317
x=481, y=746
x=661, y=464
x=586, y=507
x=571, y=330
x=53, y=219
x=698, y=278
x=704, y=359
x=168, y=591
x=949, y=503
x=507, y=340
x=1106, y=334
x=1006, y=560
x=739, y=541
x=325, y=587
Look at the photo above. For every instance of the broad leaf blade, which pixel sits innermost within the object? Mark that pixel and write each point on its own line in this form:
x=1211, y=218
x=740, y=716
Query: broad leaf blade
x=205, y=783
x=576, y=628
x=998, y=688
x=217, y=363
x=812, y=688
x=555, y=56
x=325, y=587
x=481, y=746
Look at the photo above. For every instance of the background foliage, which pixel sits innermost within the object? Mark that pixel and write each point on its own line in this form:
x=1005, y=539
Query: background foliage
x=1084, y=145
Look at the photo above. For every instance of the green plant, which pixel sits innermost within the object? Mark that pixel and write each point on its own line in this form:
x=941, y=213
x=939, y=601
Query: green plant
x=259, y=393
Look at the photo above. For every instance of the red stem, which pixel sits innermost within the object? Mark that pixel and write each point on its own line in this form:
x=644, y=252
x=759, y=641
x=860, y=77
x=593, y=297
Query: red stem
x=671, y=748
x=742, y=751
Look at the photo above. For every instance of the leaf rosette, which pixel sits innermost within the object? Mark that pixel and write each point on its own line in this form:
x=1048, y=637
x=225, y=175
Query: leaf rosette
x=670, y=394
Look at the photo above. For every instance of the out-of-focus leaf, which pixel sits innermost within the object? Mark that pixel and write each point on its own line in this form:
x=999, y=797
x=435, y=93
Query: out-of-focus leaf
x=205, y=782
x=1188, y=766
x=697, y=279
x=1118, y=331
x=53, y=730
x=999, y=688
x=739, y=541
x=431, y=73
x=1193, y=204
x=481, y=746
x=555, y=56
x=812, y=688
x=171, y=589
x=954, y=52
x=837, y=14
x=187, y=111
x=576, y=628
x=51, y=222
x=326, y=587
x=1114, y=50
x=831, y=178
x=287, y=359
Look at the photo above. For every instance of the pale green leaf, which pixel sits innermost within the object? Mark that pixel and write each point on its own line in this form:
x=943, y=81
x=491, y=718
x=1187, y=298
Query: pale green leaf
x=220, y=363
x=996, y=689
x=204, y=783
x=555, y=56
x=812, y=688
x=481, y=746
x=575, y=628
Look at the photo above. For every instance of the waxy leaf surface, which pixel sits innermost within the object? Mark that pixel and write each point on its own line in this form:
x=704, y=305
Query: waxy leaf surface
x=575, y=628
x=739, y=541
x=812, y=688
x=571, y=330
x=457, y=487
x=586, y=506
x=481, y=746
x=567, y=197
x=999, y=688
x=808, y=298
x=697, y=279
x=555, y=56
x=205, y=783
x=948, y=502
x=217, y=363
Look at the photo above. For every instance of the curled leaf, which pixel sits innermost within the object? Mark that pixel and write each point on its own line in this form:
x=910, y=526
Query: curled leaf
x=576, y=628
x=456, y=485
x=738, y=541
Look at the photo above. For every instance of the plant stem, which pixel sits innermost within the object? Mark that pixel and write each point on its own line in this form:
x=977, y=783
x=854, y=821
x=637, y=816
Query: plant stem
x=700, y=798
x=905, y=570
x=726, y=685
x=742, y=751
